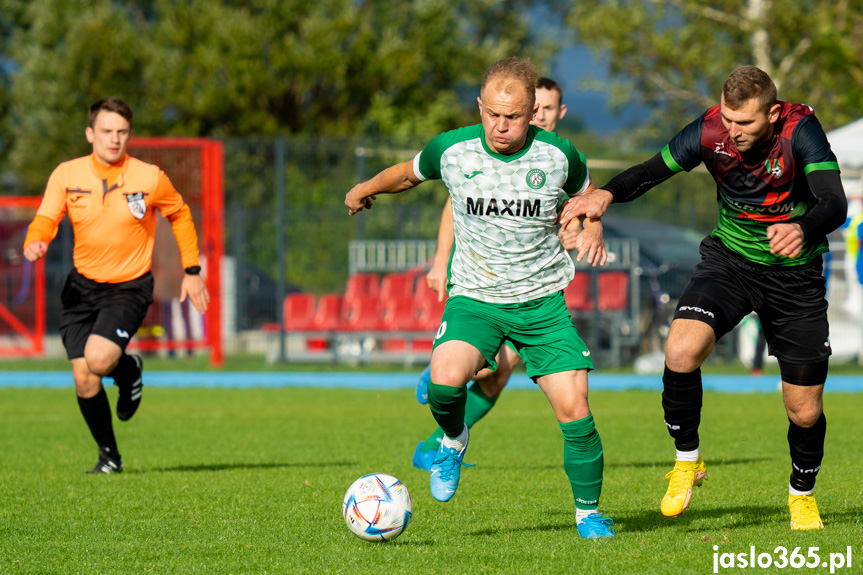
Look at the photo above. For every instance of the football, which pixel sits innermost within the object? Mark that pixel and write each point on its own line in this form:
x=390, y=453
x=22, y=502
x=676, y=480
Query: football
x=377, y=507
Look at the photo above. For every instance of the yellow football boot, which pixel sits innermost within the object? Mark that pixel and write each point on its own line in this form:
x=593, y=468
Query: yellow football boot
x=804, y=513
x=681, y=480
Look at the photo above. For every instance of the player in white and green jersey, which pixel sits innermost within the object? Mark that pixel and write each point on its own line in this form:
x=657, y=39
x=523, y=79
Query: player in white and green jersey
x=505, y=212
x=487, y=385
x=507, y=274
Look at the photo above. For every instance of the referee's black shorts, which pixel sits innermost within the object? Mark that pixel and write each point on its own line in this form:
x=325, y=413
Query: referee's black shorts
x=790, y=301
x=113, y=311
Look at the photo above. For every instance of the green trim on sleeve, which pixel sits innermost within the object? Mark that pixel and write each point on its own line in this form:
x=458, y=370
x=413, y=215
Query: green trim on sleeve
x=669, y=160
x=821, y=166
x=578, y=178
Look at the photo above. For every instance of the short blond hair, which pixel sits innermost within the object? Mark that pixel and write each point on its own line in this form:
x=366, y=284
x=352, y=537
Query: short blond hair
x=519, y=70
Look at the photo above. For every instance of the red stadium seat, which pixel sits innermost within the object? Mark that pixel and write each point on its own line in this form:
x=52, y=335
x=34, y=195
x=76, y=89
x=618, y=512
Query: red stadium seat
x=613, y=290
x=399, y=314
x=362, y=284
x=415, y=275
x=299, y=312
x=424, y=345
x=427, y=308
x=316, y=344
x=577, y=293
x=328, y=315
x=394, y=345
x=361, y=313
x=396, y=285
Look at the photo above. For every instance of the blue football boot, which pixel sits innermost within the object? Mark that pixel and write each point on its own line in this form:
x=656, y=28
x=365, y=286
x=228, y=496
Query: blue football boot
x=424, y=459
x=445, y=471
x=595, y=526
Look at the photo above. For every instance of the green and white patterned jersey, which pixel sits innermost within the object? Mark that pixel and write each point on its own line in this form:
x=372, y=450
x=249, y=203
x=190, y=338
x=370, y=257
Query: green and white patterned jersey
x=505, y=212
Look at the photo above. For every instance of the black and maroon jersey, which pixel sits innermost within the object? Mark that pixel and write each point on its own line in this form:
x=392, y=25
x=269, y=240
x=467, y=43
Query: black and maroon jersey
x=764, y=186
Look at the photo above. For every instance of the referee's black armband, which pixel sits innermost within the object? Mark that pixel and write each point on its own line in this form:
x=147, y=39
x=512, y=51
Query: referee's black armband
x=637, y=180
x=832, y=207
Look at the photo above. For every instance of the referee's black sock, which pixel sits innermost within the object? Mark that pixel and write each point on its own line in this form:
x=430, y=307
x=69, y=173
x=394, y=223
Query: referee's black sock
x=97, y=414
x=126, y=371
x=807, y=451
x=681, y=401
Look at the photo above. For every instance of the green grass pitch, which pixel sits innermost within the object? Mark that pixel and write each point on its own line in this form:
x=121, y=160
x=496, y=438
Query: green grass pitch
x=251, y=481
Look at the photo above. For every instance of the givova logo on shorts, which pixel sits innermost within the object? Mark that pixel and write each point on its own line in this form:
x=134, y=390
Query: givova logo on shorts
x=535, y=178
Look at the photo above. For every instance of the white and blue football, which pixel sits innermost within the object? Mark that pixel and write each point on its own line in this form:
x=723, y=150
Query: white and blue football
x=377, y=507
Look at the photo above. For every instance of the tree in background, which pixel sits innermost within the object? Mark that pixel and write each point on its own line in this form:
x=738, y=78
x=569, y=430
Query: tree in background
x=223, y=68
x=673, y=55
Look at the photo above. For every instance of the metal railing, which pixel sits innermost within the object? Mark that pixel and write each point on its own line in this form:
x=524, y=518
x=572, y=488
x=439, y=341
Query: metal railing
x=389, y=255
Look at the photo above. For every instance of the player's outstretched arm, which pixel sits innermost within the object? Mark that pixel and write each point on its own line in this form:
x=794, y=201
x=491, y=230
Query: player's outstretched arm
x=392, y=180
x=40, y=232
x=436, y=277
x=626, y=186
x=194, y=288
x=592, y=204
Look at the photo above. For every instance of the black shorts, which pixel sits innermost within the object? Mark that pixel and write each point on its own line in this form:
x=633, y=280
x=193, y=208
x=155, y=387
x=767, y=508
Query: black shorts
x=790, y=301
x=113, y=311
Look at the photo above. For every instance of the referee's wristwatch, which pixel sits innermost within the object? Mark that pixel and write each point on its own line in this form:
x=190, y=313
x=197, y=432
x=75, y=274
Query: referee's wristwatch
x=193, y=270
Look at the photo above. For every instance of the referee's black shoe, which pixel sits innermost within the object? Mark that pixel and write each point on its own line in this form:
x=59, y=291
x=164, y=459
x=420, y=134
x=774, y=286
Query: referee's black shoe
x=129, y=397
x=107, y=463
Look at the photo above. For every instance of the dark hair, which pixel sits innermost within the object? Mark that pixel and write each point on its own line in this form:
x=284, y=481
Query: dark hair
x=746, y=83
x=117, y=105
x=549, y=84
x=518, y=69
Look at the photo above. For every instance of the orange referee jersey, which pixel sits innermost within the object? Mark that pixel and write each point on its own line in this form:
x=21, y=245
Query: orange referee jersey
x=113, y=214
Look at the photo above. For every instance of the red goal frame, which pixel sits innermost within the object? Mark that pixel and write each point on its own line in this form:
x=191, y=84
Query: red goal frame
x=22, y=308
x=196, y=168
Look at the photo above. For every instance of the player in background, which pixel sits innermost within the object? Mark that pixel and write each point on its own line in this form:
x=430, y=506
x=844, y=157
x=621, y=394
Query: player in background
x=779, y=196
x=487, y=384
x=111, y=200
x=507, y=273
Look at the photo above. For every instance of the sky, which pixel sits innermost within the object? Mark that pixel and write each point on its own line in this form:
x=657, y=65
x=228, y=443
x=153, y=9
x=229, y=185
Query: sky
x=570, y=68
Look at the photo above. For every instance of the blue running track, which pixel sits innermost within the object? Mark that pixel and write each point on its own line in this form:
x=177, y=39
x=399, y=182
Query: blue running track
x=240, y=380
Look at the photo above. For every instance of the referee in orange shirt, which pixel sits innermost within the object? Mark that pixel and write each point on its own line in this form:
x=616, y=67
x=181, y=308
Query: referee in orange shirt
x=111, y=200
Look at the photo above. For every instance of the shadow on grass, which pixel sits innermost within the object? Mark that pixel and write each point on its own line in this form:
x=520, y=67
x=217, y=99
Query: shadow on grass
x=504, y=529
x=847, y=517
x=407, y=543
x=736, y=516
x=232, y=466
x=732, y=517
x=666, y=463
x=669, y=463
x=651, y=521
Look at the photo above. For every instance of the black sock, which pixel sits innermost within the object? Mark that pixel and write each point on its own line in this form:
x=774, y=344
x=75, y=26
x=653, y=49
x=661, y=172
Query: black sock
x=807, y=451
x=97, y=414
x=126, y=371
x=681, y=401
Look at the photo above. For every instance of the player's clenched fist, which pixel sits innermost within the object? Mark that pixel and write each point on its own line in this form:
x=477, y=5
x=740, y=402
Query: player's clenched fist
x=35, y=250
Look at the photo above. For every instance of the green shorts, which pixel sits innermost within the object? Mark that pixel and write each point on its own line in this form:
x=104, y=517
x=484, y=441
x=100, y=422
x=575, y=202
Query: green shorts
x=540, y=331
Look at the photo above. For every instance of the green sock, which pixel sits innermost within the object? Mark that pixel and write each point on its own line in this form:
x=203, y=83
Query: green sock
x=447, y=405
x=475, y=408
x=582, y=461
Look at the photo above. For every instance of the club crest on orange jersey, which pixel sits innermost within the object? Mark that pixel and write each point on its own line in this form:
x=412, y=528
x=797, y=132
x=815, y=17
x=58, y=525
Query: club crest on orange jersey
x=137, y=205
